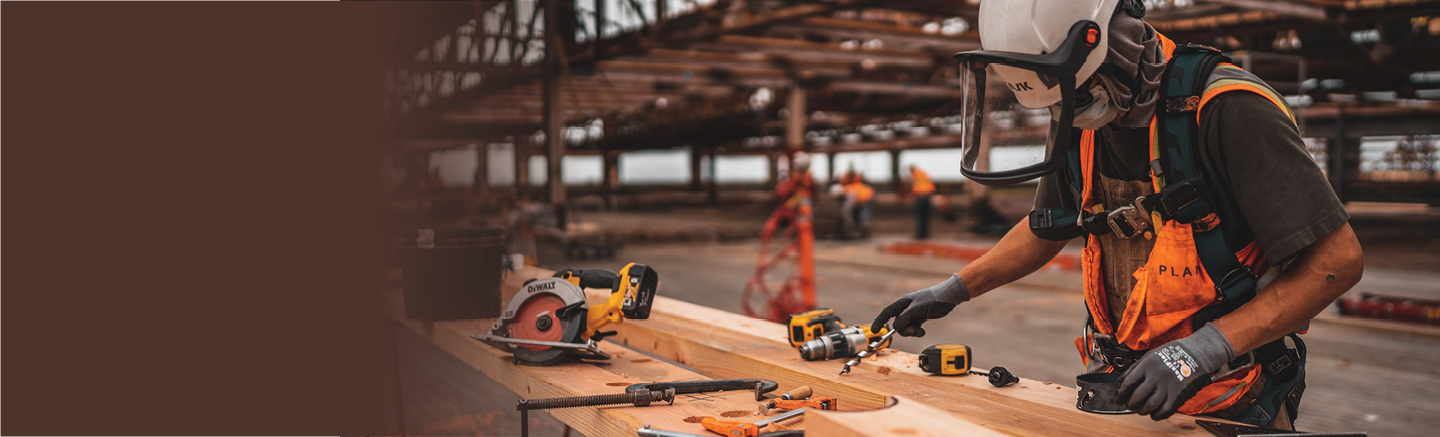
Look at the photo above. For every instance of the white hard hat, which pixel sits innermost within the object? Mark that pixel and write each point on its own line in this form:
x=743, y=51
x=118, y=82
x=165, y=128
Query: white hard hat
x=802, y=160
x=1040, y=27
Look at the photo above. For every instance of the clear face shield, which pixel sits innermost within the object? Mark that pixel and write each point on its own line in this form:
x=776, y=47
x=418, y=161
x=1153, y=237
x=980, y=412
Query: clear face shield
x=1018, y=109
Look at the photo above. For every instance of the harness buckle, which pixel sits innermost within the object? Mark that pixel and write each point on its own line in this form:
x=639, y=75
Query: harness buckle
x=1178, y=197
x=1231, y=279
x=1128, y=222
x=1108, y=350
x=1040, y=218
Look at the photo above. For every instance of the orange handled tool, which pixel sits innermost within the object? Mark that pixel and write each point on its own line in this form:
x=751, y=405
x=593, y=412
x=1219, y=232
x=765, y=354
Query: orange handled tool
x=742, y=429
x=817, y=402
x=729, y=428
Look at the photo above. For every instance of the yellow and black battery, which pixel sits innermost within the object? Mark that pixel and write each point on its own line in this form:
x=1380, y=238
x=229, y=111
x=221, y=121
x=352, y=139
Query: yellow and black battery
x=946, y=359
x=812, y=324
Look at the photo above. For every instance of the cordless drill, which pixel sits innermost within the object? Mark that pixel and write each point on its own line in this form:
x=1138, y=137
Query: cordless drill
x=844, y=343
x=812, y=324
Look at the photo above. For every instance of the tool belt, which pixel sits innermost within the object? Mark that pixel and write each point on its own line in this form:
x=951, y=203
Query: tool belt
x=1281, y=367
x=1279, y=361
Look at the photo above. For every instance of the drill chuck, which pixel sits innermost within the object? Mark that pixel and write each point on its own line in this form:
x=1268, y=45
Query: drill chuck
x=843, y=343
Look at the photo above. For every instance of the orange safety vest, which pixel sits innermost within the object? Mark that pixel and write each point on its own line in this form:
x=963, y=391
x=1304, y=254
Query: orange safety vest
x=1172, y=286
x=920, y=182
x=863, y=192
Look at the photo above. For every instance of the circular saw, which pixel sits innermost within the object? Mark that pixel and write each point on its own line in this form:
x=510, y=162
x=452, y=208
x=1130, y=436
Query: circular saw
x=549, y=320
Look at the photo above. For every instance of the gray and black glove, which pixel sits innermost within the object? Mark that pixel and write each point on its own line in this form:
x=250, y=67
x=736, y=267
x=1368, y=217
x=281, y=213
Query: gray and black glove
x=913, y=309
x=1171, y=374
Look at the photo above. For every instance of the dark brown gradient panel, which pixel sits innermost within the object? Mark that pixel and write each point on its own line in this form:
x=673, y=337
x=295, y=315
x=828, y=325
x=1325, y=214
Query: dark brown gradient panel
x=192, y=218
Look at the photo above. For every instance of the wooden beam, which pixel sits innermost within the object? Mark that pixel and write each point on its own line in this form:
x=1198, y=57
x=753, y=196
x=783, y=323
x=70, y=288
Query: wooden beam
x=806, y=50
x=746, y=22
x=932, y=43
x=1308, y=11
x=580, y=379
x=726, y=345
x=1215, y=21
x=906, y=417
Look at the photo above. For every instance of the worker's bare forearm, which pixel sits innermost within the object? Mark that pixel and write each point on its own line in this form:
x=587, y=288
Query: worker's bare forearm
x=1324, y=271
x=1018, y=254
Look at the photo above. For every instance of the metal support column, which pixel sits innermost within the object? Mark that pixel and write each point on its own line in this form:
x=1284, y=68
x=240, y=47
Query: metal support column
x=795, y=122
x=712, y=196
x=895, y=183
x=522, y=168
x=772, y=170
x=695, y=155
x=554, y=112
x=1335, y=149
x=611, y=179
x=830, y=168
x=481, y=186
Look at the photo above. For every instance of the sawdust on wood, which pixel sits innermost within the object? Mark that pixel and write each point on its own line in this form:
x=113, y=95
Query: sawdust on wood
x=1046, y=383
x=618, y=384
x=641, y=360
x=884, y=370
x=736, y=413
x=694, y=419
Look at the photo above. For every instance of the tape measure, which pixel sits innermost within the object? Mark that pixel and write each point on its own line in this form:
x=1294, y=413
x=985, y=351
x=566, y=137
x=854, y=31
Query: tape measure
x=946, y=359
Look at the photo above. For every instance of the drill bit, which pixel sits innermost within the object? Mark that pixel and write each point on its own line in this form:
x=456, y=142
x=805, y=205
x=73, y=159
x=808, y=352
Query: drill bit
x=873, y=345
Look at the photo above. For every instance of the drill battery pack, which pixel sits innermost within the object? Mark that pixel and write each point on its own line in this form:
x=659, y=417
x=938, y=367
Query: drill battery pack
x=812, y=324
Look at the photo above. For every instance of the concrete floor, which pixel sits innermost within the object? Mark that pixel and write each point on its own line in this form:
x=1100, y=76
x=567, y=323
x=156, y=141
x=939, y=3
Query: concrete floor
x=1381, y=381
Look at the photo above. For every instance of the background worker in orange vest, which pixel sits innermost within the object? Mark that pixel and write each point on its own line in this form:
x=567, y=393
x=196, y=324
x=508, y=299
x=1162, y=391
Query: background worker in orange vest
x=855, y=211
x=922, y=188
x=1159, y=314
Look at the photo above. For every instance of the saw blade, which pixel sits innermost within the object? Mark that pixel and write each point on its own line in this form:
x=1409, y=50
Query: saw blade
x=539, y=318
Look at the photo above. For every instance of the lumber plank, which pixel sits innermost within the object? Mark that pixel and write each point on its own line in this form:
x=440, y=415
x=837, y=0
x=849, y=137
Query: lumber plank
x=905, y=417
x=581, y=379
x=727, y=345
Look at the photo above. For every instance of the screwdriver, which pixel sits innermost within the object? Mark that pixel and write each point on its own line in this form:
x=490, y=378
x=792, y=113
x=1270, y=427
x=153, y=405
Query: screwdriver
x=873, y=345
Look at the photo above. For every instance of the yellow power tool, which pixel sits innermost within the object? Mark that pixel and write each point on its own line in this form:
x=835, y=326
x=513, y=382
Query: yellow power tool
x=549, y=318
x=844, y=343
x=812, y=324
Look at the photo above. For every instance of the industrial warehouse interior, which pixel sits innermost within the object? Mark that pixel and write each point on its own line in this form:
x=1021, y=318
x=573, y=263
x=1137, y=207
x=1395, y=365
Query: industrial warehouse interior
x=743, y=218
x=599, y=135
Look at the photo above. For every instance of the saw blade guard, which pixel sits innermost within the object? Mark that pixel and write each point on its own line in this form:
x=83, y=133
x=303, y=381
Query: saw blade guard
x=549, y=309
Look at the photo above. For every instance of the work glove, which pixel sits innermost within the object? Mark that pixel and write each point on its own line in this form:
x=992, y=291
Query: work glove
x=913, y=309
x=1171, y=374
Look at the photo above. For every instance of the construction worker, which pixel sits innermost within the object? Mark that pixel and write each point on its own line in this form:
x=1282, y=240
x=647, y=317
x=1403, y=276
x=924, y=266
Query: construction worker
x=1210, y=244
x=793, y=189
x=855, y=211
x=922, y=188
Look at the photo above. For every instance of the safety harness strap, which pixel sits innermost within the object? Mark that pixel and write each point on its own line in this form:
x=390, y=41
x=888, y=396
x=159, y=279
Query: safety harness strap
x=1176, y=169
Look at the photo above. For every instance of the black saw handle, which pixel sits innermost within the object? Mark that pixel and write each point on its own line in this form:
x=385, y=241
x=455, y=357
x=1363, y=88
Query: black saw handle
x=590, y=278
